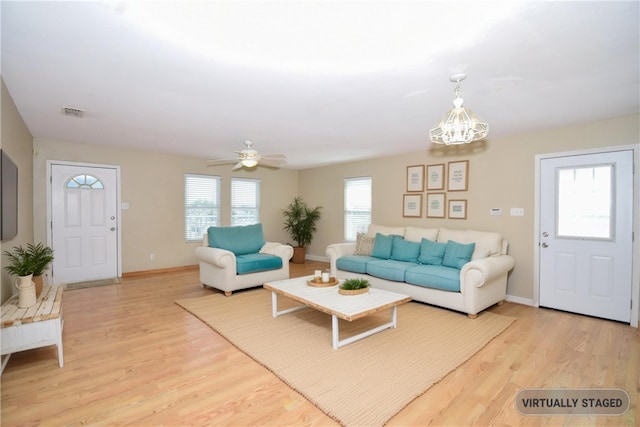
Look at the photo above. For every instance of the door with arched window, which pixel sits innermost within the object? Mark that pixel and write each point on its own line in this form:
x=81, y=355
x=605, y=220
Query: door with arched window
x=84, y=223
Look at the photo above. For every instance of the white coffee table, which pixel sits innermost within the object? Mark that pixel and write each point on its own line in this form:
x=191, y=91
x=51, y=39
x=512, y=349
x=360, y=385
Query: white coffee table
x=328, y=300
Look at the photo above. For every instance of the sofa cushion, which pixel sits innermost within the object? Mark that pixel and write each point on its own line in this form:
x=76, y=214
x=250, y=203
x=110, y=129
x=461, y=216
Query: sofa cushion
x=364, y=244
x=389, y=269
x=434, y=276
x=431, y=252
x=354, y=263
x=404, y=250
x=386, y=230
x=416, y=234
x=382, y=246
x=241, y=240
x=456, y=255
x=252, y=263
x=487, y=243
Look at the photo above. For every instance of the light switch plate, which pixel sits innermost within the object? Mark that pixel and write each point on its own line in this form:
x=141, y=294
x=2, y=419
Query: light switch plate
x=517, y=211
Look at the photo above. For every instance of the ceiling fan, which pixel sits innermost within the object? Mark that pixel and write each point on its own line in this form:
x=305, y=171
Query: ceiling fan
x=250, y=158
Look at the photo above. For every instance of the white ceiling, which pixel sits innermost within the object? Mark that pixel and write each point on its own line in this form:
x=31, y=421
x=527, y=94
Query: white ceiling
x=322, y=82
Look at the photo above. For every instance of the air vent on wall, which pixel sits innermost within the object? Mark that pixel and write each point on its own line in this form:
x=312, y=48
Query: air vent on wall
x=73, y=112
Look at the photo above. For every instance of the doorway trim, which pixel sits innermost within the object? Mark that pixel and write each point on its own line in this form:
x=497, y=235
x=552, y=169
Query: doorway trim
x=50, y=163
x=635, y=274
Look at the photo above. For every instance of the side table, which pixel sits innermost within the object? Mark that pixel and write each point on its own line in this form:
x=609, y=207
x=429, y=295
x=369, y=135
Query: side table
x=37, y=326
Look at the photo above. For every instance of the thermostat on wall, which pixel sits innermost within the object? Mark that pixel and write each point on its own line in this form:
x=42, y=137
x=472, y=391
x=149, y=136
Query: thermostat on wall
x=495, y=211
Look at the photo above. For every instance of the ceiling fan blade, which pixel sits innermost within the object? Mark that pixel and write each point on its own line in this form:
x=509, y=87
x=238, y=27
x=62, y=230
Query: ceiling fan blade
x=273, y=156
x=217, y=162
x=237, y=166
x=273, y=163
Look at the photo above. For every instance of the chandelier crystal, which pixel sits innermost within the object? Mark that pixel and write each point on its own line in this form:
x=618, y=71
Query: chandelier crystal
x=459, y=125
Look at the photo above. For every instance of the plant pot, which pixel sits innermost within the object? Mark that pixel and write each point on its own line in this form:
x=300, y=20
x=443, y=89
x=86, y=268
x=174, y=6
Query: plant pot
x=26, y=291
x=298, y=255
x=353, y=291
x=39, y=282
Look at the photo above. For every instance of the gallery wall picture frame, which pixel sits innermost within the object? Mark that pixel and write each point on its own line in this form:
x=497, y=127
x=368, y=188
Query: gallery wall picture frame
x=436, y=205
x=415, y=178
x=457, y=209
x=435, y=177
x=458, y=176
x=412, y=206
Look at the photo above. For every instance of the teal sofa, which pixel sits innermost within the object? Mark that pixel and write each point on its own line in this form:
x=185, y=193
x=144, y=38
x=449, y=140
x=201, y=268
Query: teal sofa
x=233, y=258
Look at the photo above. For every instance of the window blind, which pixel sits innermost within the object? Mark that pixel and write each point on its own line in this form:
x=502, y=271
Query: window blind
x=201, y=205
x=245, y=201
x=357, y=206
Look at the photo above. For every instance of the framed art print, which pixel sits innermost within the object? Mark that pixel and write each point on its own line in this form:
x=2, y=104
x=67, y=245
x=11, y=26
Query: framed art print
x=412, y=206
x=457, y=209
x=458, y=176
x=436, y=205
x=415, y=178
x=435, y=177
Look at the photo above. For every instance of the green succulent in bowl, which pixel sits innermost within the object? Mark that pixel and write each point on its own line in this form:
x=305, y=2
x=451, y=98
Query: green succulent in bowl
x=353, y=284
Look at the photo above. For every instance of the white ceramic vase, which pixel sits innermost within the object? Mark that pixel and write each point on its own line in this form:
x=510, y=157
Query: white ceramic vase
x=26, y=291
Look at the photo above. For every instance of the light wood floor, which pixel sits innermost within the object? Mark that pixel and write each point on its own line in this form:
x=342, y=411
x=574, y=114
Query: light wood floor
x=134, y=357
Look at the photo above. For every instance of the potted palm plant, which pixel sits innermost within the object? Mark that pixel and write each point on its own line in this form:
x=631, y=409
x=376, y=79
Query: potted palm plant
x=42, y=256
x=300, y=221
x=32, y=261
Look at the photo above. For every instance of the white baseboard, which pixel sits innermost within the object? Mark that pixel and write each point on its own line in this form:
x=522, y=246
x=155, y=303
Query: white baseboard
x=520, y=300
x=317, y=258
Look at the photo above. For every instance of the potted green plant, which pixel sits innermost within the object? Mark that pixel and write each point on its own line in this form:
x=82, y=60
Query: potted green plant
x=32, y=261
x=300, y=221
x=20, y=263
x=42, y=256
x=354, y=286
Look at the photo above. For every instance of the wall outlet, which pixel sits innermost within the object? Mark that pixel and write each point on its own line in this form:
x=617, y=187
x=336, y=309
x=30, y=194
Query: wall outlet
x=152, y=257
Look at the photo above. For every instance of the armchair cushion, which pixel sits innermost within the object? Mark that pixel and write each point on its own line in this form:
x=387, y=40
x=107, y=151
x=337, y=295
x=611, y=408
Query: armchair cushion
x=251, y=263
x=241, y=240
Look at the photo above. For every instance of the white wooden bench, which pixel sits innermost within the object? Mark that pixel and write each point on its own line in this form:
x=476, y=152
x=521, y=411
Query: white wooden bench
x=37, y=326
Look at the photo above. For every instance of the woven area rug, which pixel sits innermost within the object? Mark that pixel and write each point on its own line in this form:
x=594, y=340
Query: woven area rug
x=364, y=383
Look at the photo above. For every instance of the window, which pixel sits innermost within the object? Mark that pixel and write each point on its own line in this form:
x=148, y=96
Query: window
x=357, y=206
x=585, y=202
x=85, y=181
x=201, y=205
x=245, y=201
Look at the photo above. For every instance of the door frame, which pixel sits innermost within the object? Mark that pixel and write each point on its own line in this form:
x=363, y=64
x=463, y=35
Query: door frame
x=50, y=164
x=635, y=274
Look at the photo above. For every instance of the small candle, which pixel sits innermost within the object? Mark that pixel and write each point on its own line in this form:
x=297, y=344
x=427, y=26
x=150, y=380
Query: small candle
x=325, y=277
x=317, y=274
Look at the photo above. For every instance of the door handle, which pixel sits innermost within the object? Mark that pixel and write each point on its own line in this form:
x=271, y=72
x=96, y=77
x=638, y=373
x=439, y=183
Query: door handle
x=545, y=234
x=545, y=245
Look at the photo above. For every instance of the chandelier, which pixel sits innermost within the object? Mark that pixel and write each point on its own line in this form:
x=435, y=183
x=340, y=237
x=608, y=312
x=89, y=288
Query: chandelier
x=460, y=125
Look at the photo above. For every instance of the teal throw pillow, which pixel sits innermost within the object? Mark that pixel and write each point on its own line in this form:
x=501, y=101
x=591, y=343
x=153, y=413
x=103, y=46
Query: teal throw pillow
x=457, y=254
x=404, y=250
x=431, y=253
x=382, y=246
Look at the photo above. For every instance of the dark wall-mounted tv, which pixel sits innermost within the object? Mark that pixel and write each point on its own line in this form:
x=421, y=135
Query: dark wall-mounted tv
x=9, y=198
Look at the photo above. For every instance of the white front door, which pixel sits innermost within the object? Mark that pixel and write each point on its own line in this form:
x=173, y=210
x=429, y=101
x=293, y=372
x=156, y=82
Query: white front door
x=84, y=223
x=586, y=234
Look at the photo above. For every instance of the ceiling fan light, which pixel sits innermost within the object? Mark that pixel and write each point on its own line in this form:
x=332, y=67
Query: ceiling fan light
x=460, y=125
x=249, y=163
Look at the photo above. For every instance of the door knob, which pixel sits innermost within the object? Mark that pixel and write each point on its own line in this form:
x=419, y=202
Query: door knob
x=545, y=245
x=113, y=229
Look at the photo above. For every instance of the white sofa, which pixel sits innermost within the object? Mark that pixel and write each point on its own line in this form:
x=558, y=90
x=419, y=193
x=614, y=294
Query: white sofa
x=218, y=266
x=483, y=280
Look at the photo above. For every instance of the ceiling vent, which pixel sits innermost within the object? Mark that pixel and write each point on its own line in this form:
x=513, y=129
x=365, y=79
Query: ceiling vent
x=73, y=112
